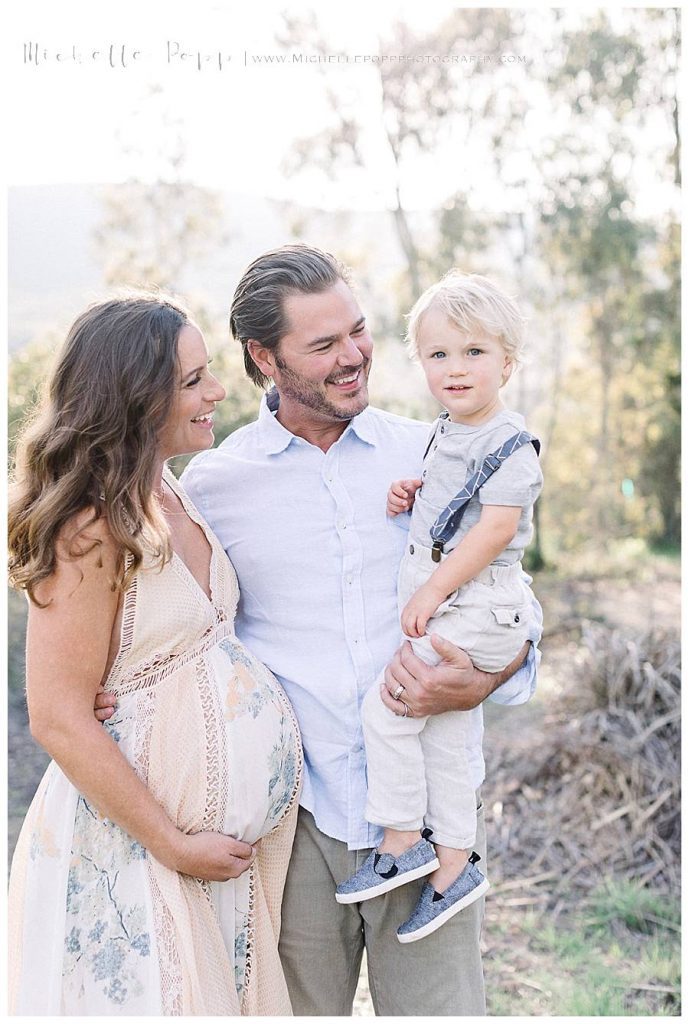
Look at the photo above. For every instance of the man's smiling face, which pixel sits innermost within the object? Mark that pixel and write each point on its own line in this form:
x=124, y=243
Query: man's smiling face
x=323, y=361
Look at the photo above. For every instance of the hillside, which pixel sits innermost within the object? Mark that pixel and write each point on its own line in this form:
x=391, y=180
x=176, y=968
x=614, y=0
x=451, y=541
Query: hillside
x=55, y=268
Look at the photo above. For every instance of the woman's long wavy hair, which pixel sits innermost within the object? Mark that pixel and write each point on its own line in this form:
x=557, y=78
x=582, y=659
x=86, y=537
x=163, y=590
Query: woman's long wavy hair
x=93, y=444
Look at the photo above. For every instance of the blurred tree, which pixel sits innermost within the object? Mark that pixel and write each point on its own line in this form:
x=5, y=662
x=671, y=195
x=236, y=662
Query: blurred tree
x=602, y=242
x=426, y=103
x=659, y=351
x=152, y=230
x=614, y=80
x=27, y=371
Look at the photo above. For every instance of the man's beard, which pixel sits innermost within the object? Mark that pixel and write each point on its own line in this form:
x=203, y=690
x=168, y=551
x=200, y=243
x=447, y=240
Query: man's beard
x=298, y=389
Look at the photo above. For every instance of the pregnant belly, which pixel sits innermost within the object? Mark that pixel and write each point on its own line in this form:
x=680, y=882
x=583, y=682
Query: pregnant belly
x=216, y=743
x=262, y=743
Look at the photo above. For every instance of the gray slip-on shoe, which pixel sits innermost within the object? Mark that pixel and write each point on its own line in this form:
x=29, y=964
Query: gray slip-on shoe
x=434, y=908
x=381, y=872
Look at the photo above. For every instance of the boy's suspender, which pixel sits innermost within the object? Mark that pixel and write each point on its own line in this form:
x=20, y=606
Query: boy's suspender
x=447, y=523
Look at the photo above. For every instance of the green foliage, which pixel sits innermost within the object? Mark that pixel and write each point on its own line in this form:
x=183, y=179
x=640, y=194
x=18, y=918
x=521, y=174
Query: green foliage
x=638, y=908
x=570, y=158
x=659, y=349
x=620, y=957
x=27, y=373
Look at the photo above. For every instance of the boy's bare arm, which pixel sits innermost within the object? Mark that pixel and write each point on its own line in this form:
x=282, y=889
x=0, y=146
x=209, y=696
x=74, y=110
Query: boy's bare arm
x=481, y=545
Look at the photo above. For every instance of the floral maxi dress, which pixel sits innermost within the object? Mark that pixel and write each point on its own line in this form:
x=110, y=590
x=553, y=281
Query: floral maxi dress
x=97, y=925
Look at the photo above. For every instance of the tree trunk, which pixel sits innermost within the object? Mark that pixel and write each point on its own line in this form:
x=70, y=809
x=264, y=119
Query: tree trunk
x=408, y=247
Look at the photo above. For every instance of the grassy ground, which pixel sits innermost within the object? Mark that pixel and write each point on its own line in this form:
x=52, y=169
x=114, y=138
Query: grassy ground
x=618, y=957
x=619, y=954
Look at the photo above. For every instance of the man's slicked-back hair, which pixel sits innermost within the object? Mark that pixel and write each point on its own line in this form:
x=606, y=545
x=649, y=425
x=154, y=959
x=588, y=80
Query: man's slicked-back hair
x=257, y=311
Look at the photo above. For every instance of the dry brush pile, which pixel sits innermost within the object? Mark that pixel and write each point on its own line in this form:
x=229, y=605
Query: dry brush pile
x=598, y=796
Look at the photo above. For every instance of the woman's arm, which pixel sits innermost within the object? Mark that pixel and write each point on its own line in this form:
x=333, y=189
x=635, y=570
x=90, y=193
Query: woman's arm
x=67, y=651
x=484, y=542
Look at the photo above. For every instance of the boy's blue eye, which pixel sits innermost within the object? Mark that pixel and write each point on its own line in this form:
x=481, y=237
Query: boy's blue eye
x=475, y=351
x=437, y=355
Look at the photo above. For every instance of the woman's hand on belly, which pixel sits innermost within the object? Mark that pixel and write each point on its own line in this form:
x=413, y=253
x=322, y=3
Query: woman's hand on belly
x=210, y=855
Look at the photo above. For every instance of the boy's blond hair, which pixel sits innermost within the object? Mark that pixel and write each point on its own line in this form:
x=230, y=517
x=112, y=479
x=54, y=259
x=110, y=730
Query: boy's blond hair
x=471, y=303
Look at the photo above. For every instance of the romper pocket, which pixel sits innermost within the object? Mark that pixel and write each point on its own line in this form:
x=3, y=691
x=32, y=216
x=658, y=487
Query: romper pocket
x=513, y=616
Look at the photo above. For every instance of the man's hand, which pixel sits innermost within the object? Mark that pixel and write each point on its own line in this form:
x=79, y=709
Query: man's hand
x=104, y=706
x=401, y=496
x=455, y=684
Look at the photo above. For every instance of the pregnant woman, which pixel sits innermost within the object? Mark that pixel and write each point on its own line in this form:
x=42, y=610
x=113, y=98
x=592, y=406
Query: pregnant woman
x=148, y=875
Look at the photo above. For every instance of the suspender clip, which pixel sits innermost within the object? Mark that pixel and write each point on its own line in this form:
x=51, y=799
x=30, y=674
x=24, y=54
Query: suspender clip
x=437, y=550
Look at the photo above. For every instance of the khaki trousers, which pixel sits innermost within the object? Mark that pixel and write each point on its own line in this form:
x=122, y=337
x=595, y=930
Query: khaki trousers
x=322, y=941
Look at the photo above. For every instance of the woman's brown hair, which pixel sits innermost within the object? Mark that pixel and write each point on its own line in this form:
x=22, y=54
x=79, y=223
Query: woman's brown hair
x=93, y=444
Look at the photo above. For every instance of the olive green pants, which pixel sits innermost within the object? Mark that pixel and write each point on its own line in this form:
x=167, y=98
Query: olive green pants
x=322, y=941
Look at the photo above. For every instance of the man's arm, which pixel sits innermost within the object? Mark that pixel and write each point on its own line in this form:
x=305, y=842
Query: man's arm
x=520, y=687
x=455, y=684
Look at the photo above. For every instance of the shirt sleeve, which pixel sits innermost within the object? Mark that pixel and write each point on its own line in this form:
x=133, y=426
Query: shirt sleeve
x=193, y=483
x=518, y=482
x=522, y=685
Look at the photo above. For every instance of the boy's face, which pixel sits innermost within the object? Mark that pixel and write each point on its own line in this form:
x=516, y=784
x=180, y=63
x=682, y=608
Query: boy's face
x=464, y=371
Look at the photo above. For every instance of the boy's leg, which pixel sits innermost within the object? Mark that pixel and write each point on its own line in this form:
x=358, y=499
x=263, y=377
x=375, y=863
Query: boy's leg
x=321, y=941
x=440, y=975
x=451, y=809
x=394, y=765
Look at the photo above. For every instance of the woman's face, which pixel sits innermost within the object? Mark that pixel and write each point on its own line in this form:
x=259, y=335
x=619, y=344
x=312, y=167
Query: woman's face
x=189, y=427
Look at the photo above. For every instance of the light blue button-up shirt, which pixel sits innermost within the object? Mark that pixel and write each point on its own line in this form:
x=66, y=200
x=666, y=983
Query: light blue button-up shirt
x=317, y=559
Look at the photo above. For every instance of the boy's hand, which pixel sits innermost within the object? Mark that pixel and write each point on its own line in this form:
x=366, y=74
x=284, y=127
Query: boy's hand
x=419, y=609
x=401, y=496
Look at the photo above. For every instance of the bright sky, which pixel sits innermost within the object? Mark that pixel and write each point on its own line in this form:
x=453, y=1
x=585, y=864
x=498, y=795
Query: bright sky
x=72, y=111
x=238, y=120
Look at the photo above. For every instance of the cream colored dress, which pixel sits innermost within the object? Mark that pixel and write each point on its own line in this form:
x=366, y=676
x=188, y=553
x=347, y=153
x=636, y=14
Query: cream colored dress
x=97, y=925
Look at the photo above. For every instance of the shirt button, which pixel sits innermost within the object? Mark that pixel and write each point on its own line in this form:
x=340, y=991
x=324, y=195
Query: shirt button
x=442, y=430
x=411, y=549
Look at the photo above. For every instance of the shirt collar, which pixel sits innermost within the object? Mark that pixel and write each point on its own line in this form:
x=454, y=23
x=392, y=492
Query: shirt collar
x=275, y=438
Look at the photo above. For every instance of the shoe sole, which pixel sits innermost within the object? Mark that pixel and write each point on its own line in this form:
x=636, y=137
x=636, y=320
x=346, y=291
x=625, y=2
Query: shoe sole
x=466, y=901
x=388, y=884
